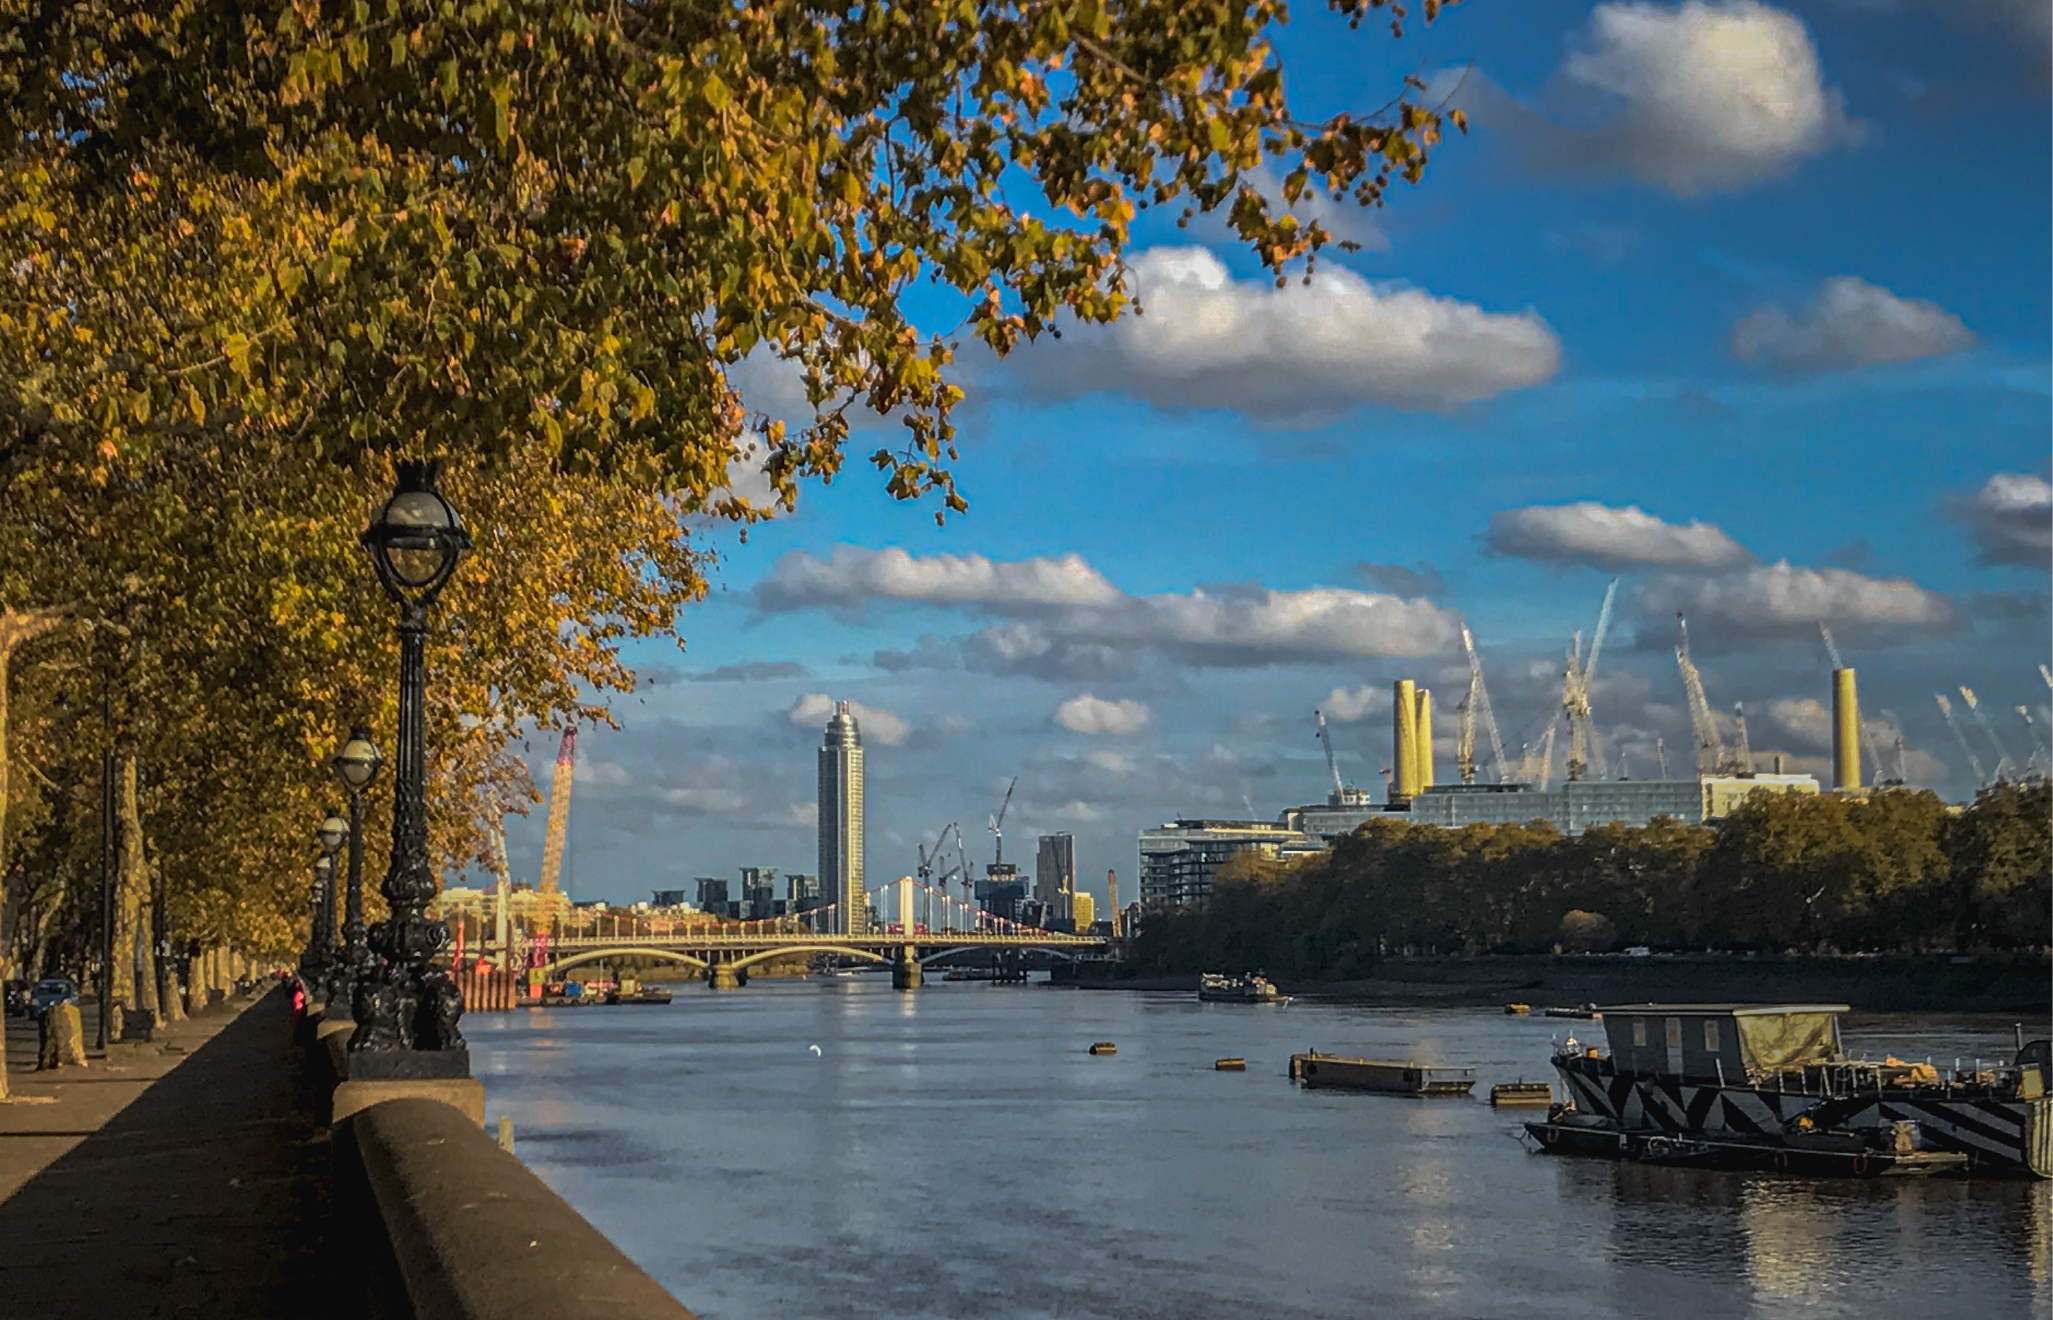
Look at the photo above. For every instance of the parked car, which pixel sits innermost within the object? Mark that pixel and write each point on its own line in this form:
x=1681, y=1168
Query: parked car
x=50, y=992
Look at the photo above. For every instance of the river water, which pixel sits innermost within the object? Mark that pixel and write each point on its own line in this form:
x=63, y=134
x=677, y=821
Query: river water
x=957, y=1153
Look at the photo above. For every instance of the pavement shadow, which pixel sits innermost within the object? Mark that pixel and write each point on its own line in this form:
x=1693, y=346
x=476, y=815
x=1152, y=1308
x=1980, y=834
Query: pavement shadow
x=207, y=1196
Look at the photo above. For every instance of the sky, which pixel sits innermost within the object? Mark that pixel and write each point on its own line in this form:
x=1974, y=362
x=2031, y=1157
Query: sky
x=1744, y=305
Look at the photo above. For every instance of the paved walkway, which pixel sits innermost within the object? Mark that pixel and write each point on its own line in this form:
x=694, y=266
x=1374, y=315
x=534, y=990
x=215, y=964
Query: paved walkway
x=186, y=1177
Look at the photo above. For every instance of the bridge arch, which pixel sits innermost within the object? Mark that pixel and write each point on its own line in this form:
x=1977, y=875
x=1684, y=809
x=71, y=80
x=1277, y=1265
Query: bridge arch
x=585, y=956
x=751, y=959
x=1054, y=951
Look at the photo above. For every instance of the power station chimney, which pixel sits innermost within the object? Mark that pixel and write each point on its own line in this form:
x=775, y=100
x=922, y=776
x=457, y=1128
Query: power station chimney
x=1404, y=721
x=1112, y=900
x=1846, y=732
x=1424, y=733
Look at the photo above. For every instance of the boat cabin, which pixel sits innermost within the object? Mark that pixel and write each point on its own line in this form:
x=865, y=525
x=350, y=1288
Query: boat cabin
x=1726, y=1043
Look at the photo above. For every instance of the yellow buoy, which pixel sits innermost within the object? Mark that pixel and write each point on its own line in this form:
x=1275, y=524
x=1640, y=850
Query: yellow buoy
x=1230, y=1065
x=1104, y=1047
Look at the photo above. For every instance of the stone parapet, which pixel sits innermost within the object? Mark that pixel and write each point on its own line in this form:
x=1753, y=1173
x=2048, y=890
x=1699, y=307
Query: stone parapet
x=455, y=1228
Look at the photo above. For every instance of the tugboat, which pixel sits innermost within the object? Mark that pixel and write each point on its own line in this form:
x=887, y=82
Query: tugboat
x=1217, y=988
x=1771, y=1086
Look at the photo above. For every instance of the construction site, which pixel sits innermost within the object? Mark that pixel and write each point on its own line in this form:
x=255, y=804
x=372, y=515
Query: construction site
x=1575, y=788
x=1494, y=787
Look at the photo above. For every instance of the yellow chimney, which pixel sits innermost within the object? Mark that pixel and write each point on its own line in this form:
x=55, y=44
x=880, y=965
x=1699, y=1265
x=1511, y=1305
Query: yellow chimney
x=1404, y=754
x=1424, y=733
x=1846, y=732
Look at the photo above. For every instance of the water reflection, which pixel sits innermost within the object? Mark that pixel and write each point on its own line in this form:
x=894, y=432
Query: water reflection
x=957, y=1153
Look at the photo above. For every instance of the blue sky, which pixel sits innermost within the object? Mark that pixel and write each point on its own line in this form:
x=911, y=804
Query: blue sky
x=1746, y=305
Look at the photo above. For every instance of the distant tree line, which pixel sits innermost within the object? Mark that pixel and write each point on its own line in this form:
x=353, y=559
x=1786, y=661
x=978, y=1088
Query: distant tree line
x=1895, y=871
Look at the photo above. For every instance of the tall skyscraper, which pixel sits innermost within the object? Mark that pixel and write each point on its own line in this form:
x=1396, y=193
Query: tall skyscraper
x=841, y=822
x=1055, y=874
x=758, y=892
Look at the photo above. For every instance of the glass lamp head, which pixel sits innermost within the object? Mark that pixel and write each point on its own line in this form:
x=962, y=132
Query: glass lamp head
x=334, y=833
x=358, y=761
x=416, y=538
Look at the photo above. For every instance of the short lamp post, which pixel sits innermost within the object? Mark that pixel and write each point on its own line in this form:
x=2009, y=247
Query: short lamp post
x=356, y=765
x=333, y=833
x=407, y=1009
x=314, y=960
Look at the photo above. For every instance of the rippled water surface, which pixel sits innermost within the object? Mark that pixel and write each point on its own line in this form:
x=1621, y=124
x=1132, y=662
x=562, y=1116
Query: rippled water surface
x=956, y=1153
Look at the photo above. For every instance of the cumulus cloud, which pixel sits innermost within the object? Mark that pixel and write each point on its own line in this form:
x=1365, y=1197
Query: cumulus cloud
x=1296, y=355
x=752, y=671
x=1347, y=704
x=2011, y=518
x=814, y=709
x=1063, y=617
x=1849, y=323
x=854, y=575
x=1089, y=714
x=1778, y=601
x=1709, y=97
x=1601, y=536
x=1425, y=580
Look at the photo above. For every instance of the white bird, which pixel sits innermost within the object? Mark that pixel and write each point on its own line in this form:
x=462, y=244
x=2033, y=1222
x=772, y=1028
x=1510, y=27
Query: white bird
x=815, y=1049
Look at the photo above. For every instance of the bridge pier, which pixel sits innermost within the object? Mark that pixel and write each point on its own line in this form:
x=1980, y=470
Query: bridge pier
x=906, y=973
x=724, y=975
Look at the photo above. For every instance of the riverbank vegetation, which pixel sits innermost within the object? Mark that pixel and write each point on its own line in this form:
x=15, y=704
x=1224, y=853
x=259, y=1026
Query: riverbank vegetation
x=1893, y=871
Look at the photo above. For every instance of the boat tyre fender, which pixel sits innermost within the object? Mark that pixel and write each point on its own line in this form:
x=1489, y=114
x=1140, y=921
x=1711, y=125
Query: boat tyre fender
x=1550, y=1134
x=1658, y=1147
x=1860, y=1164
x=1782, y=1161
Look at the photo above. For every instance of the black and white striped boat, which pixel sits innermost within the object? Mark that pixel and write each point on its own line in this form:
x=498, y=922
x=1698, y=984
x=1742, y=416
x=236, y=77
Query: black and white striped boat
x=1755, y=1069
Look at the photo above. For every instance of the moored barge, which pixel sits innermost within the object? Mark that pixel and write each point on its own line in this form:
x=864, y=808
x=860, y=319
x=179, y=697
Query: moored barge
x=1384, y=1076
x=1775, y=1076
x=1215, y=988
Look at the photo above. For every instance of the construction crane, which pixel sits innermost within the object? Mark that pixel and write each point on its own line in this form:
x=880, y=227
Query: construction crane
x=1583, y=756
x=2035, y=763
x=2004, y=760
x=1536, y=764
x=1742, y=747
x=559, y=821
x=1946, y=709
x=1343, y=794
x=998, y=824
x=1902, y=764
x=2047, y=674
x=1711, y=757
x=1661, y=755
x=1475, y=711
x=928, y=859
x=1830, y=649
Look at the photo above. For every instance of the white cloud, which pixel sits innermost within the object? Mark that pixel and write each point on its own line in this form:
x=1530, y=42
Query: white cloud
x=1778, y=600
x=1849, y=323
x=855, y=575
x=704, y=801
x=1077, y=813
x=1349, y=704
x=1089, y=714
x=1071, y=621
x=1708, y=97
x=814, y=709
x=1299, y=354
x=1109, y=761
x=2011, y=518
x=1606, y=537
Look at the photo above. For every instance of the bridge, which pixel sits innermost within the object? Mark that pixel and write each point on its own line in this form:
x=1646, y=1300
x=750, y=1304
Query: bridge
x=932, y=925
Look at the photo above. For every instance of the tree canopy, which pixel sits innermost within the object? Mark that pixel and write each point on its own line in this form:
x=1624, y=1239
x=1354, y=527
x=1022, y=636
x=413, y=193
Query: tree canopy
x=253, y=253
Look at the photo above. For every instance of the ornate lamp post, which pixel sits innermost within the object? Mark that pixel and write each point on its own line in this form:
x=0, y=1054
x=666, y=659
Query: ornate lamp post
x=332, y=833
x=406, y=1011
x=356, y=765
x=319, y=928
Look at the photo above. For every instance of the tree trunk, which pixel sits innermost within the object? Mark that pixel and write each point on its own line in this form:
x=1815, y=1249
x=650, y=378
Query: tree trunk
x=16, y=627
x=128, y=883
x=169, y=1002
